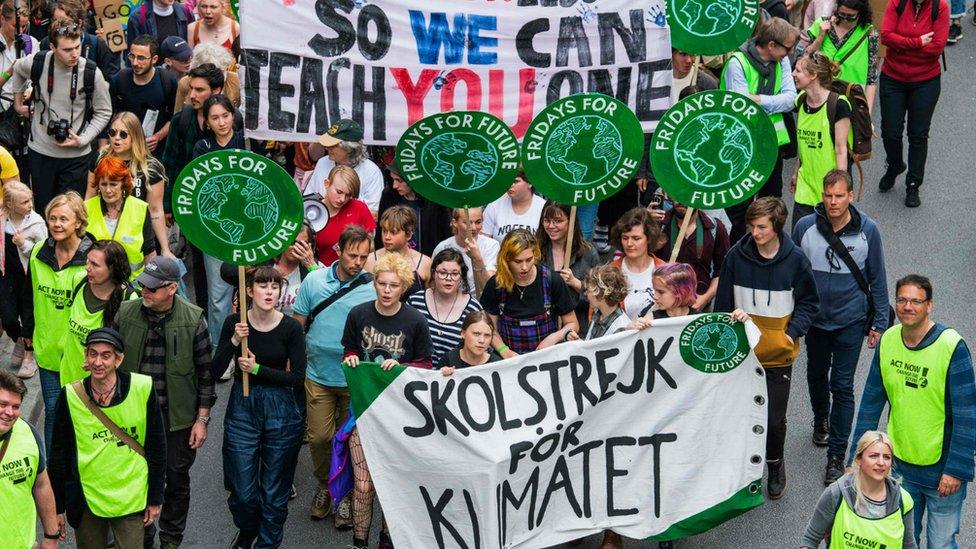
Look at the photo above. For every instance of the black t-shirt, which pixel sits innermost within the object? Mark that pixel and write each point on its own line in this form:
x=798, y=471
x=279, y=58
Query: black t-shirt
x=140, y=187
x=403, y=337
x=280, y=352
x=138, y=99
x=454, y=360
x=531, y=303
x=661, y=313
x=166, y=26
x=209, y=144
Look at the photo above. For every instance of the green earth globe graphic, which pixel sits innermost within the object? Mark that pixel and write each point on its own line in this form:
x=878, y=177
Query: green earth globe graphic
x=713, y=149
x=460, y=161
x=221, y=195
x=584, y=150
x=707, y=18
x=714, y=342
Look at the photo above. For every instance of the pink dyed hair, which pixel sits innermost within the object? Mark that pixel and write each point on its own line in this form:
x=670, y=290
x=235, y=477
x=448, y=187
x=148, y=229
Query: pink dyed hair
x=679, y=278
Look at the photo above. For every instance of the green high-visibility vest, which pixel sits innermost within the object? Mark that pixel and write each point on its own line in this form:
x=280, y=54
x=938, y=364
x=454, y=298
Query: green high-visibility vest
x=18, y=471
x=114, y=479
x=815, y=148
x=128, y=230
x=915, y=381
x=80, y=322
x=52, y=294
x=752, y=80
x=851, y=530
x=855, y=67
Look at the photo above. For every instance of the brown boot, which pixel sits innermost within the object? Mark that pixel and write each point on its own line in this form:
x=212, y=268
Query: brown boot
x=611, y=540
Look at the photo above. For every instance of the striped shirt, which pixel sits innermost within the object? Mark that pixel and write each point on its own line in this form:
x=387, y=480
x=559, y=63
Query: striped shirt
x=445, y=336
x=154, y=359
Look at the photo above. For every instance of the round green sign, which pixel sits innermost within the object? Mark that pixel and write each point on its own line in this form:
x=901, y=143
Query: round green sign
x=458, y=159
x=237, y=206
x=582, y=148
x=714, y=343
x=711, y=27
x=713, y=149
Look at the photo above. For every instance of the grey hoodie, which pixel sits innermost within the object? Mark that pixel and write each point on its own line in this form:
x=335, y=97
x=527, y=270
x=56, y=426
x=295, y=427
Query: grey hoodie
x=823, y=516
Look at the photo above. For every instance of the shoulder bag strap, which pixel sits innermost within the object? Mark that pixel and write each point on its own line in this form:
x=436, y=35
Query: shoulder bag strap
x=104, y=419
x=333, y=298
x=840, y=250
x=856, y=46
x=6, y=442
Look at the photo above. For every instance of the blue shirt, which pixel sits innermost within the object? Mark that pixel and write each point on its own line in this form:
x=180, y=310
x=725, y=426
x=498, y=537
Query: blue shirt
x=324, y=340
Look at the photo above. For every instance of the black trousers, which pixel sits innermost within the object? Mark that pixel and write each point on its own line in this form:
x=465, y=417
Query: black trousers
x=51, y=176
x=914, y=101
x=772, y=187
x=778, y=395
x=176, y=496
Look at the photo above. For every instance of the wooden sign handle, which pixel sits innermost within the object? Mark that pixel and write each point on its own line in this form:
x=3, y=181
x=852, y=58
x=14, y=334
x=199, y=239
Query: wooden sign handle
x=242, y=307
x=676, y=247
x=568, y=258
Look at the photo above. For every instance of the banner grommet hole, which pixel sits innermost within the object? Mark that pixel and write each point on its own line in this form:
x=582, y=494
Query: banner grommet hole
x=759, y=399
x=758, y=429
x=759, y=371
x=754, y=488
x=756, y=459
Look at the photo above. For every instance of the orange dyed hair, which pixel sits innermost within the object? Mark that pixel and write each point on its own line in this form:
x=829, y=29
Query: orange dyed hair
x=113, y=168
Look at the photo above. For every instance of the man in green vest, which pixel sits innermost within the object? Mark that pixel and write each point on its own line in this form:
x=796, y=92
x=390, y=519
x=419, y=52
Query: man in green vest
x=923, y=371
x=25, y=488
x=108, y=456
x=167, y=339
x=761, y=70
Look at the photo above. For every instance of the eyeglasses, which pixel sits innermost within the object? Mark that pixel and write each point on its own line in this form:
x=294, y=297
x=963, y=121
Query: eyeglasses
x=448, y=275
x=906, y=301
x=61, y=31
x=148, y=290
x=845, y=17
x=139, y=58
x=121, y=133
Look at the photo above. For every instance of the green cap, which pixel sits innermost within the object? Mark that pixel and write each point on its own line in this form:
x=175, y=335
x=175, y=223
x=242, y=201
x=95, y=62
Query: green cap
x=343, y=130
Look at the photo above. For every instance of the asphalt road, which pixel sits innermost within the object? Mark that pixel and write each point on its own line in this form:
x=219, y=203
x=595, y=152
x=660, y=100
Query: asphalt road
x=934, y=240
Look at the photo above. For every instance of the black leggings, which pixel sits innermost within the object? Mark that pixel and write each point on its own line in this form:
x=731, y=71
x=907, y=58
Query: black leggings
x=914, y=101
x=778, y=394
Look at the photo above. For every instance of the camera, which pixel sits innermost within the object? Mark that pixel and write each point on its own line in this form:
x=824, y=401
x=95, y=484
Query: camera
x=59, y=129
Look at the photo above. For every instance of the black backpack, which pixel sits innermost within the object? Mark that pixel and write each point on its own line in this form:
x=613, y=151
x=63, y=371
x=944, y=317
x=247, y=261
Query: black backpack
x=123, y=82
x=87, y=85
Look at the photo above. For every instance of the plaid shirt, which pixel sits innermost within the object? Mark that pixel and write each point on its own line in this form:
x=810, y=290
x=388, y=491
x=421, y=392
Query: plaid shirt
x=154, y=359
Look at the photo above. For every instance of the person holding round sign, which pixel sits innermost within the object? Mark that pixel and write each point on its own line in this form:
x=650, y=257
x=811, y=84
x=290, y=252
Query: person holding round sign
x=849, y=38
x=531, y=306
x=341, y=198
x=823, y=127
x=867, y=504
x=114, y=214
x=552, y=234
x=262, y=432
x=94, y=303
x=638, y=236
x=761, y=70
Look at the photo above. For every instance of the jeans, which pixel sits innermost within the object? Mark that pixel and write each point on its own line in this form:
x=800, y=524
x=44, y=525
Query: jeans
x=916, y=101
x=778, y=395
x=957, y=8
x=262, y=437
x=50, y=390
x=219, y=298
x=831, y=362
x=92, y=531
x=328, y=409
x=942, y=515
x=176, y=496
x=586, y=219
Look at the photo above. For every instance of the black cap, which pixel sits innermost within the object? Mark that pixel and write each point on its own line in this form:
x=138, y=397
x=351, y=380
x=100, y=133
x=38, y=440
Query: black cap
x=159, y=271
x=106, y=335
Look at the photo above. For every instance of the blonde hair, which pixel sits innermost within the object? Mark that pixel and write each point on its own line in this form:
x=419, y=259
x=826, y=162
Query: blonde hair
x=396, y=264
x=516, y=242
x=399, y=218
x=821, y=67
x=139, y=153
x=348, y=176
x=608, y=283
x=868, y=439
x=15, y=190
x=73, y=202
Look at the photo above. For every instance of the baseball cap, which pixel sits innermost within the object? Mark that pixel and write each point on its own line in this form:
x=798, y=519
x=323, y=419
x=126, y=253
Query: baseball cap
x=174, y=47
x=161, y=270
x=343, y=130
x=105, y=335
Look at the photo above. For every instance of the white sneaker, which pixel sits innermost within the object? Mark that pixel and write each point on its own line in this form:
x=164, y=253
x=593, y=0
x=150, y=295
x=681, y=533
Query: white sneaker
x=28, y=368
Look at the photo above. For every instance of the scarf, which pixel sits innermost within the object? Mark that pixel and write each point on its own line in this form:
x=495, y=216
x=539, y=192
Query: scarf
x=766, y=69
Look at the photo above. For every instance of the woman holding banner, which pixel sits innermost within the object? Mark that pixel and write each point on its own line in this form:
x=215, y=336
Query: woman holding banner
x=552, y=234
x=114, y=214
x=867, y=502
x=391, y=333
x=638, y=236
x=262, y=432
x=531, y=306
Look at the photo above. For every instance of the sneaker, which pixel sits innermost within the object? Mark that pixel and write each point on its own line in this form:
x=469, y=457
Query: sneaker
x=359, y=544
x=342, y=518
x=243, y=540
x=168, y=545
x=385, y=541
x=834, y=470
x=320, y=504
x=28, y=368
x=665, y=545
x=911, y=197
x=888, y=179
x=776, y=485
x=821, y=431
x=293, y=494
x=17, y=356
x=955, y=33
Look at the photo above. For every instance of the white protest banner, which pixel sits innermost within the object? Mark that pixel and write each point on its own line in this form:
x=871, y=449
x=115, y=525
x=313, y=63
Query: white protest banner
x=389, y=63
x=656, y=434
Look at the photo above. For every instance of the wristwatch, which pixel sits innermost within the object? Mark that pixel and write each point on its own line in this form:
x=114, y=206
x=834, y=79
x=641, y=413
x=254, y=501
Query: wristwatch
x=56, y=535
x=204, y=419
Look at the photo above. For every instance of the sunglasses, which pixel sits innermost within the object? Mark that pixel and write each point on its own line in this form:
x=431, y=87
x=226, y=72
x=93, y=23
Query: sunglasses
x=148, y=290
x=844, y=17
x=121, y=133
x=61, y=31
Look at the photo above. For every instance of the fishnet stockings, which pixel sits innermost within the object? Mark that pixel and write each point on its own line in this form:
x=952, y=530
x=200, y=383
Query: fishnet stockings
x=363, y=491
